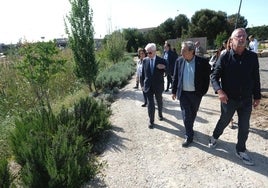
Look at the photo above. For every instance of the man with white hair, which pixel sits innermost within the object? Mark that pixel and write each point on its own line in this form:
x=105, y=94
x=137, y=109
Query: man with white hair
x=152, y=82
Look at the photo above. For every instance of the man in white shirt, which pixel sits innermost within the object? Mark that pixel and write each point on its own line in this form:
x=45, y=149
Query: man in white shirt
x=253, y=44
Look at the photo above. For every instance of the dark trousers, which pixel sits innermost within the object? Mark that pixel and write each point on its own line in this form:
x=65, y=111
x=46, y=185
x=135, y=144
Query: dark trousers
x=243, y=107
x=189, y=103
x=169, y=81
x=151, y=104
x=144, y=97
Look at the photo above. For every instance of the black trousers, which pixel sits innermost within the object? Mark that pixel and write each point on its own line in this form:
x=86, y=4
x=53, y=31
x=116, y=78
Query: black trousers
x=144, y=97
x=189, y=103
x=243, y=107
x=169, y=81
x=151, y=104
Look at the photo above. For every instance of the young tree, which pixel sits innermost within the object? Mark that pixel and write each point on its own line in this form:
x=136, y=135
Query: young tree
x=81, y=41
x=39, y=63
x=115, y=46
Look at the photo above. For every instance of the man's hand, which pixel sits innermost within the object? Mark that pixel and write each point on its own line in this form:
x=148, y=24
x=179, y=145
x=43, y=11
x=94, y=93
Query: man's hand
x=161, y=66
x=222, y=96
x=173, y=96
x=256, y=102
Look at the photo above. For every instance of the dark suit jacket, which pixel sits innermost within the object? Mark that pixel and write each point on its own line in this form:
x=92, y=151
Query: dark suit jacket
x=201, y=81
x=154, y=81
x=172, y=56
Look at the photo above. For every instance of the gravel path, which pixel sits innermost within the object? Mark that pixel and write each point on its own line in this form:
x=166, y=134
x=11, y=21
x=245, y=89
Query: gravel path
x=139, y=157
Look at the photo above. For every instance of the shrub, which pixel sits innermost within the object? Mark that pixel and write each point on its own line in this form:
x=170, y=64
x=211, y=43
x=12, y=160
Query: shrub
x=55, y=150
x=116, y=76
x=90, y=117
x=65, y=163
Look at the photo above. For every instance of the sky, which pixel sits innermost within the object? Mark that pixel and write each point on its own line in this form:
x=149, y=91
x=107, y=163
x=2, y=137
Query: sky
x=32, y=20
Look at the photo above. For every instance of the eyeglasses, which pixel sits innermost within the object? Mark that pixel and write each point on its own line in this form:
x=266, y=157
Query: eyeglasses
x=149, y=52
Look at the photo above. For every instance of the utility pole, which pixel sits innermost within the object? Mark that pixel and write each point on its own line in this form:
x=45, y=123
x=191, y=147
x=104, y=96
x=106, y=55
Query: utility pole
x=238, y=14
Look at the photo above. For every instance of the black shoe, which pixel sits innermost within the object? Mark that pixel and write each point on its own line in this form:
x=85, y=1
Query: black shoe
x=160, y=118
x=151, y=125
x=144, y=105
x=187, y=142
x=136, y=87
x=166, y=90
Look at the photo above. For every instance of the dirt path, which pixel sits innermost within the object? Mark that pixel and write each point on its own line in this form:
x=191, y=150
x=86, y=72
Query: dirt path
x=140, y=157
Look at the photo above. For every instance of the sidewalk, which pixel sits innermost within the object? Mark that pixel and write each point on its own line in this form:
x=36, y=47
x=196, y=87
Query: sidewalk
x=140, y=157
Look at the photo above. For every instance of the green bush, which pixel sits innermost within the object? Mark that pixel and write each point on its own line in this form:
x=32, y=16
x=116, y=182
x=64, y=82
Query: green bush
x=55, y=150
x=66, y=162
x=90, y=117
x=116, y=76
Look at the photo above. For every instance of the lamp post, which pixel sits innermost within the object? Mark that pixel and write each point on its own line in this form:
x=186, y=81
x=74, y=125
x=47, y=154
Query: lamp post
x=238, y=14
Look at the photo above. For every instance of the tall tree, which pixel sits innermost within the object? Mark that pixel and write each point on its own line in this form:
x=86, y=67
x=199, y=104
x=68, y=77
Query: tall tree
x=241, y=22
x=134, y=38
x=165, y=31
x=81, y=40
x=208, y=23
x=181, y=23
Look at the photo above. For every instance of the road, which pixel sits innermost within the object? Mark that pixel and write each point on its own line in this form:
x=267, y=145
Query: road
x=140, y=157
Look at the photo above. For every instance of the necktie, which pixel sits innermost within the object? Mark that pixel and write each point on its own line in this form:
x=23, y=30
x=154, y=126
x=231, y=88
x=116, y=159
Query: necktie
x=152, y=65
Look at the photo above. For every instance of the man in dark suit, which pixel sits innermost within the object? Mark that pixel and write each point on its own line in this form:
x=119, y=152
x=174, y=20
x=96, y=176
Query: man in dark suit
x=170, y=56
x=190, y=84
x=152, y=81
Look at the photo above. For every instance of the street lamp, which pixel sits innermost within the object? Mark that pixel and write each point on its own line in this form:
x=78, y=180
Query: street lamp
x=238, y=14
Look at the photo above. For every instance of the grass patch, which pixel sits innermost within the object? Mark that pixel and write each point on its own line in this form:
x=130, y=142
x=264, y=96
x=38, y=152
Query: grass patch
x=71, y=99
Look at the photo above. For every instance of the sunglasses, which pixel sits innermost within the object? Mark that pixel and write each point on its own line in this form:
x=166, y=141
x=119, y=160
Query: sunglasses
x=149, y=52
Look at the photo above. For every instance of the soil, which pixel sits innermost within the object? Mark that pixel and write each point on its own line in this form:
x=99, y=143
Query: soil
x=137, y=156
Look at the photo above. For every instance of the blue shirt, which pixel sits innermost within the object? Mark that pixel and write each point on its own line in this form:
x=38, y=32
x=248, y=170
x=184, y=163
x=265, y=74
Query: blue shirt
x=188, y=76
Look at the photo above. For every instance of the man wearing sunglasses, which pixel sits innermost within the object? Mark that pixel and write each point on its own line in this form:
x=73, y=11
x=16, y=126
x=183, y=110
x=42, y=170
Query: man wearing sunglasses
x=152, y=81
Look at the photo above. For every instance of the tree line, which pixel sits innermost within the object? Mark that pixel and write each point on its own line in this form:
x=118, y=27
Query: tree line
x=215, y=25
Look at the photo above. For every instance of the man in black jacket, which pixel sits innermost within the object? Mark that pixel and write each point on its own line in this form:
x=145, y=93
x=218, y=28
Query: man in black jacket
x=236, y=80
x=190, y=84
